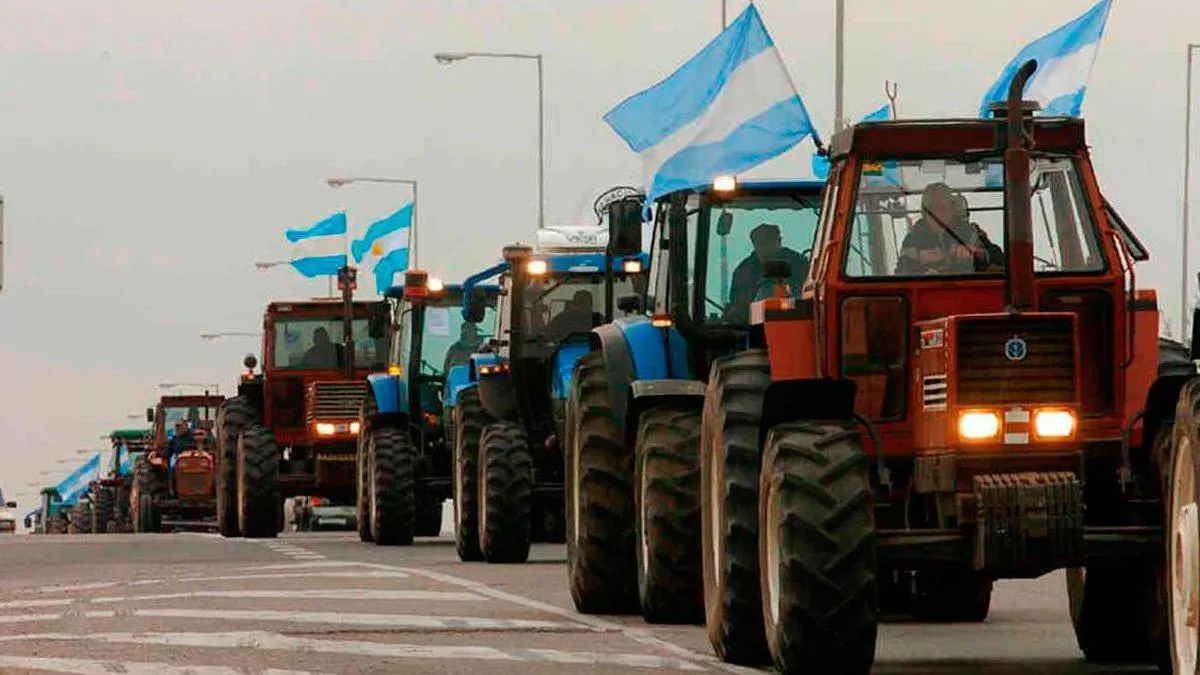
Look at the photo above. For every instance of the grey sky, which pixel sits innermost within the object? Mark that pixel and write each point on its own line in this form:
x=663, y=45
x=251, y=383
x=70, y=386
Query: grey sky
x=153, y=151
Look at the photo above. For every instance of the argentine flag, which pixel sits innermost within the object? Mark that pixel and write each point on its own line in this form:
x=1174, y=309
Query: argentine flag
x=384, y=248
x=321, y=249
x=731, y=107
x=74, y=485
x=1064, y=63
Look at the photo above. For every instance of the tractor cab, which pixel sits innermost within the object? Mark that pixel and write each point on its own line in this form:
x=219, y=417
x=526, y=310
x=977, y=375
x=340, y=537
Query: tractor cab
x=127, y=446
x=197, y=412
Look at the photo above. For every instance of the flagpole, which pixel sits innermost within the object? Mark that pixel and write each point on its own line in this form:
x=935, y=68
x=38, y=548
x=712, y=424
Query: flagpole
x=1184, y=284
x=839, y=63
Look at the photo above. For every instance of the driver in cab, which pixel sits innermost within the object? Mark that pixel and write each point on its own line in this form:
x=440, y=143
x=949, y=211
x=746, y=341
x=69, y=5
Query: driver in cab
x=748, y=282
x=943, y=240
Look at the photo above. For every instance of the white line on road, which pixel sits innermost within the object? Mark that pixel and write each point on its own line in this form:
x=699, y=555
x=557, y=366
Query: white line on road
x=361, y=574
x=276, y=642
x=307, y=594
x=40, y=602
x=300, y=565
x=76, y=587
x=95, y=667
x=375, y=620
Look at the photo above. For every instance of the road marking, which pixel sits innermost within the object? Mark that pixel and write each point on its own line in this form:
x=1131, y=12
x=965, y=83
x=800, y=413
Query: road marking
x=305, y=594
x=76, y=587
x=30, y=618
x=364, y=574
x=638, y=635
x=41, y=602
x=96, y=667
x=375, y=620
x=300, y=565
x=268, y=641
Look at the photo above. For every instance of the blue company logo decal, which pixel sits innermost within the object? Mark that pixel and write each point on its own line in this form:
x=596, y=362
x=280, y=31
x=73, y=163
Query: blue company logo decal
x=1016, y=349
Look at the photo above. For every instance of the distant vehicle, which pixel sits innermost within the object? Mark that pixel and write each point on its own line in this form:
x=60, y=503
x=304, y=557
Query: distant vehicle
x=8, y=519
x=323, y=514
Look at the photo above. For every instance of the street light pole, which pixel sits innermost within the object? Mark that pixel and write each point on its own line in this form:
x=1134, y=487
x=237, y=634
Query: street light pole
x=277, y=263
x=412, y=236
x=447, y=58
x=839, y=64
x=1184, y=283
x=231, y=333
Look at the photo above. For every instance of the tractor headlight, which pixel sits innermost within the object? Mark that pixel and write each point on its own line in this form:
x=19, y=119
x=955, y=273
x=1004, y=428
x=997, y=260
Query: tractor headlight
x=633, y=266
x=724, y=184
x=1054, y=423
x=354, y=427
x=978, y=425
x=537, y=268
x=325, y=429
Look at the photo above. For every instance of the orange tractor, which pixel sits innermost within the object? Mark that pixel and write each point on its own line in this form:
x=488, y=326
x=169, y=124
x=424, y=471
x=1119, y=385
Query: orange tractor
x=967, y=387
x=174, y=482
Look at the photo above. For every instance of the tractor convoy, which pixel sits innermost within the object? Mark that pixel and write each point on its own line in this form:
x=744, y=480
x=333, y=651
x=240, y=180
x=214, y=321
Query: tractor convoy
x=811, y=405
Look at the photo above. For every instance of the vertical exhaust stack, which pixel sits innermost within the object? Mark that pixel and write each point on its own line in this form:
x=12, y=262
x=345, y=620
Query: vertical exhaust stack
x=1018, y=221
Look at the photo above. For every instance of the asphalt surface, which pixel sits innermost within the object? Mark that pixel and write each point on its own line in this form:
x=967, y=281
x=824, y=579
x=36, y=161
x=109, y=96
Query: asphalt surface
x=326, y=603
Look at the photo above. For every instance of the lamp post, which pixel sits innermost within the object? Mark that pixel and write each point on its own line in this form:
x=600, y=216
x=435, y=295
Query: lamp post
x=229, y=333
x=447, y=58
x=412, y=237
x=1184, y=283
x=276, y=263
x=216, y=387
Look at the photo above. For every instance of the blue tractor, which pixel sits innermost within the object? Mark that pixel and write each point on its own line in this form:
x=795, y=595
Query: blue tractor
x=511, y=416
x=636, y=406
x=404, y=461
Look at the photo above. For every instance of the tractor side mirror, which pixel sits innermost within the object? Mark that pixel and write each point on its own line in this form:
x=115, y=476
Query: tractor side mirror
x=377, y=322
x=28, y=522
x=776, y=269
x=150, y=415
x=630, y=304
x=475, y=312
x=250, y=362
x=625, y=226
x=11, y=505
x=725, y=224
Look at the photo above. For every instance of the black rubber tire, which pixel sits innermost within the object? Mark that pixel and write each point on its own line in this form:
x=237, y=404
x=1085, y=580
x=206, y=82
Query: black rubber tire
x=667, y=502
x=554, y=523
x=601, y=560
x=79, y=519
x=951, y=596
x=235, y=415
x=103, y=502
x=730, y=458
x=393, y=484
x=258, y=483
x=818, y=544
x=1109, y=613
x=362, y=463
x=470, y=419
x=429, y=517
x=149, y=485
x=505, y=493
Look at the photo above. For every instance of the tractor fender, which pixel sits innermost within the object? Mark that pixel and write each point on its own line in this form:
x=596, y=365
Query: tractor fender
x=563, y=364
x=648, y=393
x=457, y=379
x=482, y=359
x=634, y=350
x=806, y=399
x=495, y=387
x=391, y=396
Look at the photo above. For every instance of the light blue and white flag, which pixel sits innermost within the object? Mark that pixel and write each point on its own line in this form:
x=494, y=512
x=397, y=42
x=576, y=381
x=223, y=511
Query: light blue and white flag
x=731, y=107
x=321, y=249
x=1064, y=63
x=820, y=165
x=74, y=485
x=384, y=248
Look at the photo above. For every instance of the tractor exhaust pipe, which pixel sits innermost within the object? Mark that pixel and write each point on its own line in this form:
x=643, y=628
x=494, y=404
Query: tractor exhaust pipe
x=1018, y=219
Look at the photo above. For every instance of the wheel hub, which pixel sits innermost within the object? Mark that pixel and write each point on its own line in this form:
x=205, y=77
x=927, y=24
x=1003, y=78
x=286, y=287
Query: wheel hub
x=1185, y=559
x=772, y=562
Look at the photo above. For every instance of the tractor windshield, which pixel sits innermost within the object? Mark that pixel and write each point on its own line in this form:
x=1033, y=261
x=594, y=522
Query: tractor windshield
x=728, y=239
x=915, y=218
x=561, y=304
x=449, y=340
x=308, y=342
x=190, y=414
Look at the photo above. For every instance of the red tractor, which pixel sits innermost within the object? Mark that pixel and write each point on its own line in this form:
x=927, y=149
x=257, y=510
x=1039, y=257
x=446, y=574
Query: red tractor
x=174, y=481
x=293, y=429
x=968, y=387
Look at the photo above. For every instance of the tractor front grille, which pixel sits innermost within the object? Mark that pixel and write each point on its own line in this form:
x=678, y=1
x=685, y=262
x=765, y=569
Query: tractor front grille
x=987, y=375
x=335, y=400
x=193, y=483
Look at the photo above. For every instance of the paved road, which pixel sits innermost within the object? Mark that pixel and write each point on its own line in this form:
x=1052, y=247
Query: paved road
x=325, y=603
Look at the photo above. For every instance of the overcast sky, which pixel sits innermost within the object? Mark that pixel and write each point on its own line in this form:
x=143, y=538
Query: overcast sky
x=151, y=152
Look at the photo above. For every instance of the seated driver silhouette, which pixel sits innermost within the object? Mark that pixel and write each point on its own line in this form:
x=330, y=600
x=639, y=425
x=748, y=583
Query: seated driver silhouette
x=941, y=242
x=577, y=317
x=323, y=353
x=748, y=282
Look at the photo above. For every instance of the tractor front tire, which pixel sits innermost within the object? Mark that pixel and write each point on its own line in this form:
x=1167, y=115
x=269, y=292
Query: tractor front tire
x=429, y=517
x=234, y=416
x=667, y=480
x=257, y=483
x=393, y=474
x=470, y=419
x=149, y=485
x=79, y=519
x=729, y=479
x=818, y=550
x=362, y=464
x=103, y=503
x=505, y=493
x=601, y=558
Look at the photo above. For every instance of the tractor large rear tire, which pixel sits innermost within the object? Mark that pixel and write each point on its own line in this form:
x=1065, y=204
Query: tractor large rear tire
x=362, y=471
x=234, y=416
x=470, y=419
x=429, y=517
x=1109, y=612
x=667, y=499
x=103, y=507
x=730, y=458
x=393, y=482
x=258, y=483
x=79, y=519
x=601, y=556
x=505, y=493
x=148, y=486
x=817, y=550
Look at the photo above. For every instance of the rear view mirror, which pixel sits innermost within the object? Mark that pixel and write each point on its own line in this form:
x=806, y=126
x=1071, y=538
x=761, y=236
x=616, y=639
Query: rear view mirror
x=11, y=505
x=250, y=362
x=625, y=225
x=150, y=414
x=377, y=322
x=630, y=304
x=776, y=269
x=725, y=224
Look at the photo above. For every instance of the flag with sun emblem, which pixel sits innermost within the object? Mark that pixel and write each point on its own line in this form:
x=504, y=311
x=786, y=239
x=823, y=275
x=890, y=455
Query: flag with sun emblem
x=384, y=248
